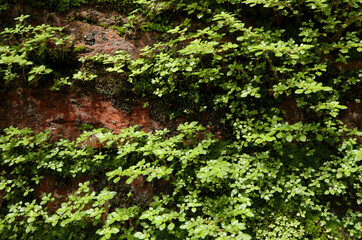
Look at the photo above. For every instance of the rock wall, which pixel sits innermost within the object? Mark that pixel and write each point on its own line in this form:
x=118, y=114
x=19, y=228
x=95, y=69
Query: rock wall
x=65, y=114
x=92, y=28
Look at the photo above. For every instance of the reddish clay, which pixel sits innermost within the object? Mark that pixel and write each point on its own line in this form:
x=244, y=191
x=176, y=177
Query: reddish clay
x=64, y=113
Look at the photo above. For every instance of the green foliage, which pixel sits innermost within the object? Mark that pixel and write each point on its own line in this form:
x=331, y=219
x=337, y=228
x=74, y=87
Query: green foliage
x=215, y=191
x=199, y=210
x=248, y=73
x=79, y=49
x=291, y=169
x=120, y=29
x=86, y=127
x=115, y=62
x=60, y=82
x=26, y=49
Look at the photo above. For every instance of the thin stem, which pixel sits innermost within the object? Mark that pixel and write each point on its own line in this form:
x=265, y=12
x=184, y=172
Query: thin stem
x=299, y=13
x=25, y=80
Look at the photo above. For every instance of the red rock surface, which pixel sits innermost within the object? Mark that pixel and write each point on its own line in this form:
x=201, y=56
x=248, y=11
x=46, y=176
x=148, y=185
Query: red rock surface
x=64, y=113
x=91, y=27
x=100, y=40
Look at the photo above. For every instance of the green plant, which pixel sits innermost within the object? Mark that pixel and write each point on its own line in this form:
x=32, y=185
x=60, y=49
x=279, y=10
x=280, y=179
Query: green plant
x=176, y=159
x=120, y=29
x=79, y=49
x=248, y=72
x=86, y=127
x=290, y=168
x=25, y=49
x=84, y=76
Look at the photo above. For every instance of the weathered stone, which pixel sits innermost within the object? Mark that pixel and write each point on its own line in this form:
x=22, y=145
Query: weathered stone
x=91, y=28
x=64, y=113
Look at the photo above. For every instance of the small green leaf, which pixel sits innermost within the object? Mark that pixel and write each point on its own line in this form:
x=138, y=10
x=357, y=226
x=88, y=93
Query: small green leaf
x=341, y=107
x=129, y=180
x=344, y=50
x=139, y=235
x=171, y=226
x=217, y=57
x=302, y=138
x=299, y=91
x=289, y=138
x=114, y=230
x=259, y=53
x=54, y=222
x=319, y=137
x=163, y=226
x=31, y=77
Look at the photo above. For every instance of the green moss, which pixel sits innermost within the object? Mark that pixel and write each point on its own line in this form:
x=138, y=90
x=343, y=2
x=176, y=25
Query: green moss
x=86, y=127
x=79, y=49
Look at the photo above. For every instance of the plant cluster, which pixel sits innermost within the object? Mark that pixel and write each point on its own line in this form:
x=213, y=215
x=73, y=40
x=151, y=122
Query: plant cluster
x=27, y=50
x=290, y=169
x=216, y=191
x=190, y=208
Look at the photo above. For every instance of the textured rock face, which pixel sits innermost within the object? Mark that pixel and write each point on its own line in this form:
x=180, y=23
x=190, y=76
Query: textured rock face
x=102, y=40
x=65, y=113
x=91, y=28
